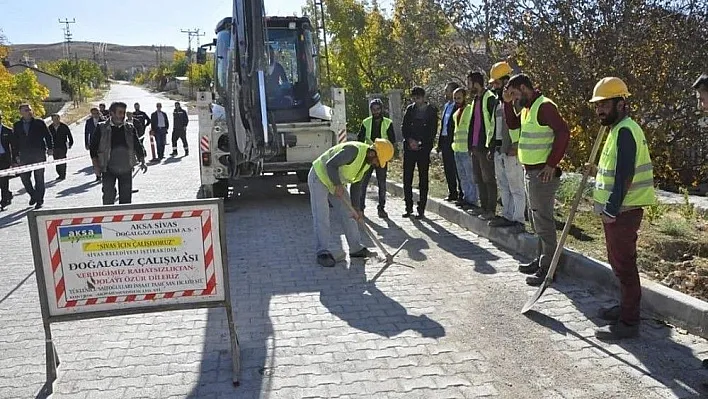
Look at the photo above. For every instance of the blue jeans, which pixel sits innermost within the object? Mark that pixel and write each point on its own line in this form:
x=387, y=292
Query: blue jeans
x=320, y=198
x=463, y=161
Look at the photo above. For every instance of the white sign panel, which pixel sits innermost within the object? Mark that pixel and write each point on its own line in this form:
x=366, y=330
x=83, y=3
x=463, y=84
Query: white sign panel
x=97, y=261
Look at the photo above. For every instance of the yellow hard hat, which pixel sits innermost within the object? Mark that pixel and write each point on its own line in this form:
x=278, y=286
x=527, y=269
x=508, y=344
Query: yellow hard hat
x=499, y=70
x=384, y=151
x=609, y=87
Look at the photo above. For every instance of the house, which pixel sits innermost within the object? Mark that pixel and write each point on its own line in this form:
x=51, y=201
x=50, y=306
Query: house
x=51, y=82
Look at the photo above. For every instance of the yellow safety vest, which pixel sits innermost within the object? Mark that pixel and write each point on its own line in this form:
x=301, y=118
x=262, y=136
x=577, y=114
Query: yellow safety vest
x=487, y=117
x=535, y=141
x=641, y=190
x=385, y=124
x=348, y=174
x=462, y=129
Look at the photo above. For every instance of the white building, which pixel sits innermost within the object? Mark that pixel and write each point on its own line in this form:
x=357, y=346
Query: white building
x=51, y=82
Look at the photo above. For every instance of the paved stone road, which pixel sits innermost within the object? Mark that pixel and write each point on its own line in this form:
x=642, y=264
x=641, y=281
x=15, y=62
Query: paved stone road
x=448, y=328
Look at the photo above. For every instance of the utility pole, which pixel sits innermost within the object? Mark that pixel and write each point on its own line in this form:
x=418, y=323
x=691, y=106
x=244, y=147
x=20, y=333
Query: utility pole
x=191, y=33
x=67, y=35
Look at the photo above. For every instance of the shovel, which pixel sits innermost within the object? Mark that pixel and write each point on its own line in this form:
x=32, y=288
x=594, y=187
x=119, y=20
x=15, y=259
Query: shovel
x=568, y=223
x=388, y=257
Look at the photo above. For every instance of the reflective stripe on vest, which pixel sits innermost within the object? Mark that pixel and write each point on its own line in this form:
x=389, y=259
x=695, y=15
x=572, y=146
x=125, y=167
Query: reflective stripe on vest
x=368, y=122
x=462, y=129
x=348, y=174
x=487, y=117
x=641, y=190
x=535, y=141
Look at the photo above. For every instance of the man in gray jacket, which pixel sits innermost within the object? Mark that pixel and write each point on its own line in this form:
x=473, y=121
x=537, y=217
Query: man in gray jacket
x=115, y=149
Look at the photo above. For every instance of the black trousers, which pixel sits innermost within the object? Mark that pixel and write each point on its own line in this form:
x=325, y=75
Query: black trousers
x=125, y=187
x=179, y=135
x=60, y=153
x=454, y=187
x=483, y=170
x=5, y=193
x=411, y=160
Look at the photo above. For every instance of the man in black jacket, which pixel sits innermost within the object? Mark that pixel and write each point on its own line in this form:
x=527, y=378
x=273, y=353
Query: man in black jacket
x=180, y=119
x=104, y=112
x=8, y=157
x=61, y=135
x=141, y=119
x=33, y=143
x=115, y=150
x=160, y=124
x=447, y=135
x=420, y=122
x=90, y=127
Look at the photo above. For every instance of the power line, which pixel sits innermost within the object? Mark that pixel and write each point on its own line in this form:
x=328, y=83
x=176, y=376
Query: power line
x=67, y=35
x=191, y=33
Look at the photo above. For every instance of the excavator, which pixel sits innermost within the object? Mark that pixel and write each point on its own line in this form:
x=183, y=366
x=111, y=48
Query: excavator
x=264, y=114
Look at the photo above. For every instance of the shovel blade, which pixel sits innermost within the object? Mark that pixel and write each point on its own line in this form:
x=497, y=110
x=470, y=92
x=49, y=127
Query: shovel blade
x=536, y=296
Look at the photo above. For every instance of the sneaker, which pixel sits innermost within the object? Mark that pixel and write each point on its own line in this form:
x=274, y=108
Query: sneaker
x=362, y=253
x=529, y=268
x=501, y=222
x=616, y=332
x=326, y=260
x=382, y=213
x=611, y=313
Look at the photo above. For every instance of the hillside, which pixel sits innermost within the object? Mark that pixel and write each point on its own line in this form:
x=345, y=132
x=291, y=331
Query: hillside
x=118, y=57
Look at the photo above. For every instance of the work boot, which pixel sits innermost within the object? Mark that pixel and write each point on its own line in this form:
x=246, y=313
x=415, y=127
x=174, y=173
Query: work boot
x=174, y=153
x=529, y=268
x=326, y=259
x=616, y=332
x=382, y=213
x=537, y=278
x=362, y=253
x=611, y=313
x=421, y=214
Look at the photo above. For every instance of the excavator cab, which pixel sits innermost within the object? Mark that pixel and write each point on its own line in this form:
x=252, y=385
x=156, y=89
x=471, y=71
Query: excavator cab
x=291, y=74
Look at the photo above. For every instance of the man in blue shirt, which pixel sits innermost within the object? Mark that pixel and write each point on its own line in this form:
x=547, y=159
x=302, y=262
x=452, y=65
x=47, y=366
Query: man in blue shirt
x=447, y=133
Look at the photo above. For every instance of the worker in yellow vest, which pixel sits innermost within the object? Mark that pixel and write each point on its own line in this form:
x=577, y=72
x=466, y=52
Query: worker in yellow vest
x=463, y=161
x=345, y=163
x=373, y=128
x=623, y=186
x=507, y=168
x=542, y=143
x=479, y=143
x=701, y=87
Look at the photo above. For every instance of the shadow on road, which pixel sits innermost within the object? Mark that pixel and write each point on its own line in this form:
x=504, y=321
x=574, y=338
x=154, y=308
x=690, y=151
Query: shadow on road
x=657, y=356
x=265, y=266
x=453, y=244
x=80, y=189
x=14, y=218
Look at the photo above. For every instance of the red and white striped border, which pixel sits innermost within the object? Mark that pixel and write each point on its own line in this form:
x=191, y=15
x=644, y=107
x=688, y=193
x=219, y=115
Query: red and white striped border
x=55, y=256
x=204, y=144
x=342, y=137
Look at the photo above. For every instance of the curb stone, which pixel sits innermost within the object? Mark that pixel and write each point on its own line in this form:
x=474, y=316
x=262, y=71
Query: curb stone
x=677, y=308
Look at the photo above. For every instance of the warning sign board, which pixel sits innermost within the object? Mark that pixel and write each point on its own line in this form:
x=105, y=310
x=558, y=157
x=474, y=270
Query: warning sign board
x=98, y=260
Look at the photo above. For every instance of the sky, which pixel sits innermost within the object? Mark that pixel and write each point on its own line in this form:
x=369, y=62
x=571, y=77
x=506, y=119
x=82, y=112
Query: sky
x=136, y=22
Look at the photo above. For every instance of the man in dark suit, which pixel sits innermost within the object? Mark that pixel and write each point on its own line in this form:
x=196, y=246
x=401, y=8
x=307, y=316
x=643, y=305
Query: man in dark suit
x=33, y=143
x=447, y=135
x=160, y=124
x=7, y=159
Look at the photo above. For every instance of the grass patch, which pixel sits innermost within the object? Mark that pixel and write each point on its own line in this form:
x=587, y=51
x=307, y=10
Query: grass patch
x=673, y=239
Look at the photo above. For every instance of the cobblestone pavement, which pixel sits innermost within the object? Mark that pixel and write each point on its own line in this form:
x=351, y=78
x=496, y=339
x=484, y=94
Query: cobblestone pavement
x=450, y=327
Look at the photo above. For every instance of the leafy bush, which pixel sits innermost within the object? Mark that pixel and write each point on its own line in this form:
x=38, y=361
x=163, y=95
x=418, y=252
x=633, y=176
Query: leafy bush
x=675, y=227
x=655, y=212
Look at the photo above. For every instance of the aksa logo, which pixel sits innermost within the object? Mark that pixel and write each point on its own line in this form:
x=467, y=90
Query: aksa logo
x=80, y=233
